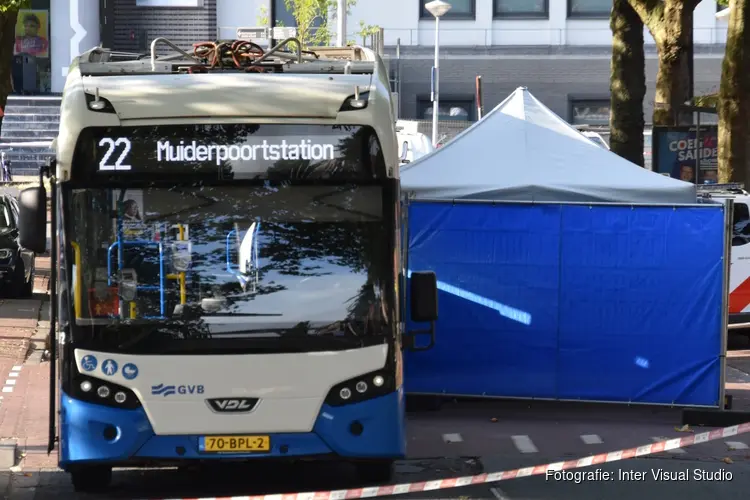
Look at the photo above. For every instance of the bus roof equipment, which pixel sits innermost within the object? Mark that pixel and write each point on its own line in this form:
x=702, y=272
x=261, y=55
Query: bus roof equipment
x=235, y=81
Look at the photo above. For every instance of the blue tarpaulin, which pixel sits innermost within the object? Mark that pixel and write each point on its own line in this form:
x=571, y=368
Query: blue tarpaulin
x=590, y=302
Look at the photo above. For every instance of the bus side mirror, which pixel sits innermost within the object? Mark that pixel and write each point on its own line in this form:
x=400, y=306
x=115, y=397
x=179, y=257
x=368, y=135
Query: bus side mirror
x=32, y=218
x=424, y=297
x=424, y=308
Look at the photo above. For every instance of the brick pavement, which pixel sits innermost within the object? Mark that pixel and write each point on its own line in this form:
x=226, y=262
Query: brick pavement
x=23, y=410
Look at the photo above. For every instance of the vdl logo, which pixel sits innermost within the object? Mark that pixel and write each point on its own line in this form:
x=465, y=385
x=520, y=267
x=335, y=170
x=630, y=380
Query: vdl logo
x=169, y=390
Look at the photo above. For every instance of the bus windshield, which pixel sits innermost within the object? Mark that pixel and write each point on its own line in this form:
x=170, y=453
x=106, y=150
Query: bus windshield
x=222, y=263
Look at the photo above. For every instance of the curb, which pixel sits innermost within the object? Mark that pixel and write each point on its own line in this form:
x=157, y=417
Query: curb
x=8, y=453
x=38, y=342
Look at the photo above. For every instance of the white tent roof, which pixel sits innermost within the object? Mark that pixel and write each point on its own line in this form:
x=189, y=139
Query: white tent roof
x=521, y=150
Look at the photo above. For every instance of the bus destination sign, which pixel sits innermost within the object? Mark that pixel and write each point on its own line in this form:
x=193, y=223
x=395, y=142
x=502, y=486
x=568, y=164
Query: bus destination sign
x=236, y=150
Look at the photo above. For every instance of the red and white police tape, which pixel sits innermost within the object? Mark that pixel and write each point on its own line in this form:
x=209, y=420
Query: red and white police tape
x=493, y=477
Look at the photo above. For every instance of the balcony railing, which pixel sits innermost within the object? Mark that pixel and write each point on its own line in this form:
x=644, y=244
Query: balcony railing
x=477, y=37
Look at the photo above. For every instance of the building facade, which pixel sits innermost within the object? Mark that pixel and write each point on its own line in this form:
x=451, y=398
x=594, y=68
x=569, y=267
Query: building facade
x=559, y=49
x=67, y=28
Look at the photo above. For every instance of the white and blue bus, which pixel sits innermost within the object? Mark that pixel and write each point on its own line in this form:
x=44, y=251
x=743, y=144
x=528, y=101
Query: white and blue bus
x=227, y=261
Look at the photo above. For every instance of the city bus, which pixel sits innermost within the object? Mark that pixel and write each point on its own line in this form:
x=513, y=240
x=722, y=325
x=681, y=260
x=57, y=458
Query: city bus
x=227, y=275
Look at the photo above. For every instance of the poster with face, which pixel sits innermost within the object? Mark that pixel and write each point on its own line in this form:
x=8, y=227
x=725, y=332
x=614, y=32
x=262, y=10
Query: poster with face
x=135, y=225
x=683, y=154
x=130, y=208
x=31, y=33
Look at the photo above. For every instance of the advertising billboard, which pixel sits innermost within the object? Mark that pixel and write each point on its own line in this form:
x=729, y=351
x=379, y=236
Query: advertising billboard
x=676, y=153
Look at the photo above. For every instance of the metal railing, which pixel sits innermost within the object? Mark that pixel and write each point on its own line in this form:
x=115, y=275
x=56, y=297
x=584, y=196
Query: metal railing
x=504, y=35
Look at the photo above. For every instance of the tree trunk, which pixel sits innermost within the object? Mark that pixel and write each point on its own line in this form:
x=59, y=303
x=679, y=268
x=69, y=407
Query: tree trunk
x=627, y=83
x=672, y=35
x=734, y=97
x=670, y=23
x=7, y=40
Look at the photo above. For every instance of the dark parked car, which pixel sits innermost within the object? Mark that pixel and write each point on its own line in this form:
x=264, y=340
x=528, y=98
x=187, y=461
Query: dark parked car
x=16, y=263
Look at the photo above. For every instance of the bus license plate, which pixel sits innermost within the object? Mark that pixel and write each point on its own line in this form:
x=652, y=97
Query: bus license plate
x=235, y=444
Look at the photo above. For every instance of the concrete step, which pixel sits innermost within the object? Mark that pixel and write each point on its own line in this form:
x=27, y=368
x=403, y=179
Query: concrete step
x=29, y=117
x=22, y=149
x=39, y=110
x=39, y=100
x=25, y=171
x=20, y=158
x=26, y=135
x=9, y=126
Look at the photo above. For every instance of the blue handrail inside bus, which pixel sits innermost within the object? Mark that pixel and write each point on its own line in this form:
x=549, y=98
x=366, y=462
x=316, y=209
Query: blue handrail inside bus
x=229, y=243
x=162, y=277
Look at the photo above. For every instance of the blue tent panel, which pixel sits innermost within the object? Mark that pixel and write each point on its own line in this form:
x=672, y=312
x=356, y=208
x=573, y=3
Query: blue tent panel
x=498, y=272
x=640, y=304
x=604, y=303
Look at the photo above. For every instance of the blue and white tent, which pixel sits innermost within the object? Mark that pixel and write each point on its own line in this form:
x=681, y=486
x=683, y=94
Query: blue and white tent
x=523, y=151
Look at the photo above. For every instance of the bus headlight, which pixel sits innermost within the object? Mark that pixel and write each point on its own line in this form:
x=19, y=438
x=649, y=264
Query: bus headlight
x=99, y=392
x=368, y=386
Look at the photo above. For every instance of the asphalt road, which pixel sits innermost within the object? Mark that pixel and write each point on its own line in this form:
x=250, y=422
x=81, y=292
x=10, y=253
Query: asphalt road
x=645, y=479
x=464, y=439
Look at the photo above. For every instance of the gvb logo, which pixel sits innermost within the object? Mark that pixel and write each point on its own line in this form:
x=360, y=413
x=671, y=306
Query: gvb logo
x=169, y=390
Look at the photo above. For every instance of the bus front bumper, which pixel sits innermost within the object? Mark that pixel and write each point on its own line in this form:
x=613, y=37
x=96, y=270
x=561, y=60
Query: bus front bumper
x=86, y=432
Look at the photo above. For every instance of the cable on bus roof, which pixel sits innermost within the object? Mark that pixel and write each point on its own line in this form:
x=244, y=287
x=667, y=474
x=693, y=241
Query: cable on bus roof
x=228, y=55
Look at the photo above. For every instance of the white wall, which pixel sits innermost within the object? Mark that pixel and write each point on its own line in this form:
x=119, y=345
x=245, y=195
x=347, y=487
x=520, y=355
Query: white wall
x=231, y=14
x=74, y=28
x=484, y=31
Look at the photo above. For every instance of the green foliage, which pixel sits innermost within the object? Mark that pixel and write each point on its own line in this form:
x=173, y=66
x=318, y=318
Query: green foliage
x=366, y=30
x=308, y=13
x=6, y=5
x=263, y=16
x=707, y=101
x=723, y=2
x=312, y=18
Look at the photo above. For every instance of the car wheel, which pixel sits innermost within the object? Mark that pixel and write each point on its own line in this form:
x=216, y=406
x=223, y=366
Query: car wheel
x=22, y=288
x=18, y=284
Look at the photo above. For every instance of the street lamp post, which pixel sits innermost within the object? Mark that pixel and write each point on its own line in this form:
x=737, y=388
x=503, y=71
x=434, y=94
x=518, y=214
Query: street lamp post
x=437, y=8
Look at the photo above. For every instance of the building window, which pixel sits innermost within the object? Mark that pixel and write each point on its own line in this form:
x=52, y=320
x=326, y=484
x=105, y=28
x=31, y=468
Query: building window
x=594, y=112
x=594, y=9
x=169, y=3
x=460, y=9
x=521, y=9
x=284, y=17
x=459, y=109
